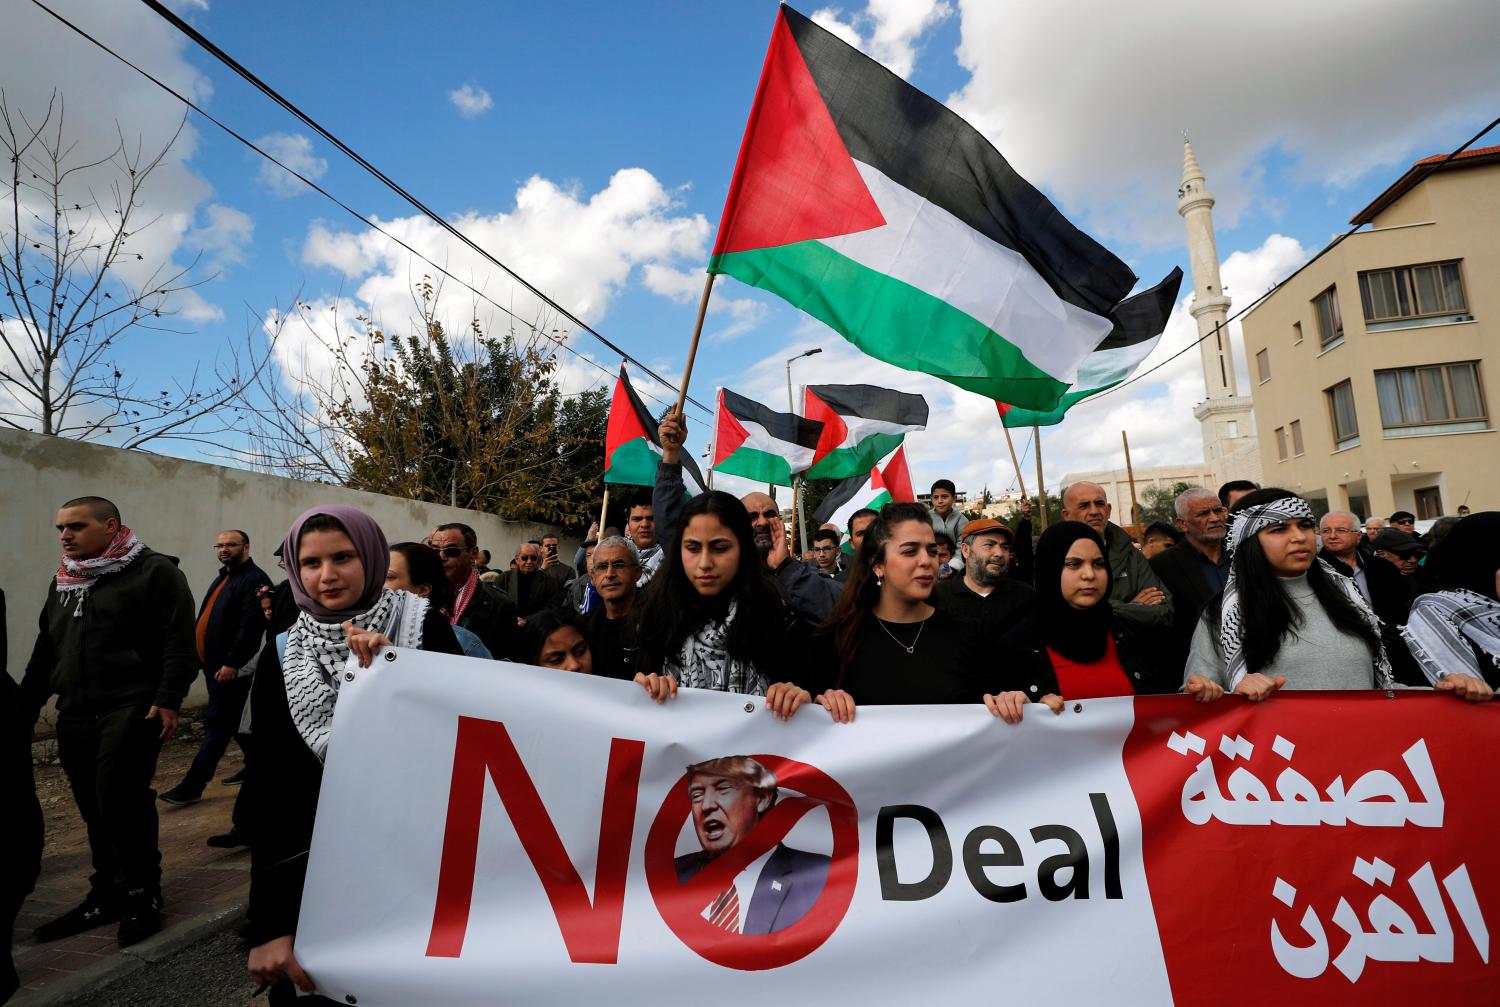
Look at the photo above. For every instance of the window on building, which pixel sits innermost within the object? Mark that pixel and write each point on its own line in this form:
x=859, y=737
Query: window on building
x=1417, y=396
x=1341, y=414
x=1330, y=322
x=1296, y=431
x=1389, y=295
x=1296, y=333
x=1234, y=428
x=1281, y=443
x=1263, y=365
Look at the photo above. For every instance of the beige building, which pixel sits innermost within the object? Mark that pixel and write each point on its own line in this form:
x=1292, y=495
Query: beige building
x=1370, y=367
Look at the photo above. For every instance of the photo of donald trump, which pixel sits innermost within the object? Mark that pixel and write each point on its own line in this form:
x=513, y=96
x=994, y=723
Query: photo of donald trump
x=729, y=796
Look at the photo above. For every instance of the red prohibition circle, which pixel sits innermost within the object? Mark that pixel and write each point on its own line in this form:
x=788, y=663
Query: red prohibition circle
x=681, y=905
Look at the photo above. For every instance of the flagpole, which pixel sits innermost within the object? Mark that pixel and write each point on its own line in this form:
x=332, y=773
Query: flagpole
x=713, y=435
x=1135, y=509
x=1041, y=486
x=1016, y=462
x=604, y=511
x=687, y=372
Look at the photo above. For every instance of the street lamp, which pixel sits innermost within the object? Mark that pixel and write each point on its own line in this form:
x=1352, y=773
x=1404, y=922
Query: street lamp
x=791, y=403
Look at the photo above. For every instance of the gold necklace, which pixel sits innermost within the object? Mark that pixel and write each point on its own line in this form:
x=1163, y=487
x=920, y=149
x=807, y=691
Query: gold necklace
x=913, y=648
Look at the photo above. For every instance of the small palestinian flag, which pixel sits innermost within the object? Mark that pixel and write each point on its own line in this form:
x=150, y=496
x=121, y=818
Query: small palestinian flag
x=631, y=446
x=756, y=442
x=876, y=209
x=1141, y=319
x=888, y=482
x=861, y=425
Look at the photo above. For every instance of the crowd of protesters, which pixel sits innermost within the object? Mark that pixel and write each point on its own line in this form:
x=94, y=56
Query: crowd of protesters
x=1247, y=592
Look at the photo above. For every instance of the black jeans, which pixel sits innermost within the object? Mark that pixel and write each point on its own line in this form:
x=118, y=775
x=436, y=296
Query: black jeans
x=221, y=720
x=110, y=759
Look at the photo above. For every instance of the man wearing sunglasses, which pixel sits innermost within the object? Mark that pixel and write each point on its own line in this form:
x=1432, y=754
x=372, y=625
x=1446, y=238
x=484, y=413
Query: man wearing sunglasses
x=483, y=609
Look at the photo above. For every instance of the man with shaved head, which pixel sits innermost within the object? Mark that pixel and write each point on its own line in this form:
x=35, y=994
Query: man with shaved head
x=808, y=595
x=1136, y=593
x=1195, y=569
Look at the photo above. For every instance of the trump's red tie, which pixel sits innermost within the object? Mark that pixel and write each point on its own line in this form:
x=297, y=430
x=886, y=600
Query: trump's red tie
x=724, y=911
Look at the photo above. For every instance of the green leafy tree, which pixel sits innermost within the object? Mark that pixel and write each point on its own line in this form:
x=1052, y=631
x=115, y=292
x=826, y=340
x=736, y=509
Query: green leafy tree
x=1158, y=503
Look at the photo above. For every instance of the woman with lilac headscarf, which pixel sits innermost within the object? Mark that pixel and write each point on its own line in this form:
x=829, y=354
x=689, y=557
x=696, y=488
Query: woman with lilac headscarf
x=336, y=559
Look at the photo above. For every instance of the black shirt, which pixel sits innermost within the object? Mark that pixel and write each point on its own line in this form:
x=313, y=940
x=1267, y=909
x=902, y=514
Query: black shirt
x=995, y=613
x=945, y=665
x=612, y=644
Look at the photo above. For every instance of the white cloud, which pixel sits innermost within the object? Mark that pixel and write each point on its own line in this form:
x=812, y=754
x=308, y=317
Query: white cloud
x=296, y=152
x=685, y=286
x=223, y=235
x=471, y=100
x=1088, y=99
x=887, y=30
x=964, y=440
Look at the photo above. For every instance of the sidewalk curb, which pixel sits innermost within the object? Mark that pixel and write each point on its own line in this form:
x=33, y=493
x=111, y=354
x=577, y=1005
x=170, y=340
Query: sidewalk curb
x=154, y=950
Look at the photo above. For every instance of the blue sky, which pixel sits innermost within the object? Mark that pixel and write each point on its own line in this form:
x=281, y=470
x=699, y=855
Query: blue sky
x=598, y=165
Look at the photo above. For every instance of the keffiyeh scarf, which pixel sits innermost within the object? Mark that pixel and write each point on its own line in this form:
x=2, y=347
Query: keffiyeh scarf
x=704, y=661
x=1252, y=521
x=75, y=577
x=313, y=664
x=465, y=595
x=1442, y=626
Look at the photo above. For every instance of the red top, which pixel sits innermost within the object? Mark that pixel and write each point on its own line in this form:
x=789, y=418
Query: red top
x=1094, y=680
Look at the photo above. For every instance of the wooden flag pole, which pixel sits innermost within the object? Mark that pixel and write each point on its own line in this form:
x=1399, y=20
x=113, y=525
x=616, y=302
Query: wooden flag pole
x=604, y=511
x=1041, y=486
x=1020, y=479
x=1135, y=509
x=687, y=372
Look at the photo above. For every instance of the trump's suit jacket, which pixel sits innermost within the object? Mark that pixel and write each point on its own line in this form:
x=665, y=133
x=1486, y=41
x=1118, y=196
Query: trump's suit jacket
x=789, y=884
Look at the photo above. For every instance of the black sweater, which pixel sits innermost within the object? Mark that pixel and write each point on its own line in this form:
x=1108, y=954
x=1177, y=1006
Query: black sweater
x=133, y=645
x=282, y=792
x=946, y=665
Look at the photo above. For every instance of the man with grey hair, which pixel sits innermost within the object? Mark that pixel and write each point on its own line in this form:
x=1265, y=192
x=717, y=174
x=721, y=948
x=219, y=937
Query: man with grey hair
x=1373, y=526
x=1136, y=594
x=1196, y=568
x=729, y=796
x=614, y=570
x=1378, y=581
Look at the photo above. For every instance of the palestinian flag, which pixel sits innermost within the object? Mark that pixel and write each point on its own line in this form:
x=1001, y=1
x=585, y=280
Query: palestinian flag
x=861, y=425
x=888, y=482
x=756, y=442
x=871, y=206
x=1140, y=320
x=631, y=446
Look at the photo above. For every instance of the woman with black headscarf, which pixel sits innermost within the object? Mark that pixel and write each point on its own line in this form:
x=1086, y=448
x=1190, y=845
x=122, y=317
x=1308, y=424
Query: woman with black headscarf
x=1454, y=632
x=1069, y=645
x=336, y=560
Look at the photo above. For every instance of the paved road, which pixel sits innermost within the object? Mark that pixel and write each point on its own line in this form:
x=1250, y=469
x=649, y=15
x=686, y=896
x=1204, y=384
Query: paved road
x=208, y=974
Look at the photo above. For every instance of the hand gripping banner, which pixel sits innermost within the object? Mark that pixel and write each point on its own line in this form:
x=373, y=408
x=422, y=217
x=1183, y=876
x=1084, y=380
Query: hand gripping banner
x=523, y=836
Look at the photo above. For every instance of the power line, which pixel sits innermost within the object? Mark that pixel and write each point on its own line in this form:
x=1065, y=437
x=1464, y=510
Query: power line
x=390, y=183
x=1328, y=248
x=367, y=222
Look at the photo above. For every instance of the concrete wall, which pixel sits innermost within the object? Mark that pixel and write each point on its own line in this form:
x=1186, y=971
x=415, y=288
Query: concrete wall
x=178, y=507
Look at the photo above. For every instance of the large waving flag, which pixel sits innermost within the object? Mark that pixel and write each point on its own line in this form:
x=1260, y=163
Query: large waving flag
x=876, y=209
x=632, y=449
x=861, y=425
x=1140, y=320
x=756, y=442
x=883, y=483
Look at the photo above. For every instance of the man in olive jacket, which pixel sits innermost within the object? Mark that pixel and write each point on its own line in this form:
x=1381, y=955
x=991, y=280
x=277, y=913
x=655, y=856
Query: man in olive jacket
x=116, y=647
x=1136, y=594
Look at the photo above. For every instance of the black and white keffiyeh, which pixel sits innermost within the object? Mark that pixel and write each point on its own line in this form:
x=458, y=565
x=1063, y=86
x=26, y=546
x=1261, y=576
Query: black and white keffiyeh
x=704, y=661
x=1441, y=627
x=1251, y=521
x=316, y=652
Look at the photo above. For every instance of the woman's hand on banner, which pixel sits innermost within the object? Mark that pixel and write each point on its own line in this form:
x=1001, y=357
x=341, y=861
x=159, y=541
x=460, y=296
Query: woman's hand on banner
x=839, y=704
x=784, y=698
x=1203, y=689
x=1008, y=706
x=273, y=962
x=659, y=687
x=1258, y=688
x=1467, y=687
x=364, y=644
x=1053, y=702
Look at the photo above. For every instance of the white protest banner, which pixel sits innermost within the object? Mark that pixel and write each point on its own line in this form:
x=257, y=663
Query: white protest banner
x=501, y=834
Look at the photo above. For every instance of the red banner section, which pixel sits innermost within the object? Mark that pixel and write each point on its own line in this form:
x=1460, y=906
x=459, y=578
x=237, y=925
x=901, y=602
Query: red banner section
x=1322, y=847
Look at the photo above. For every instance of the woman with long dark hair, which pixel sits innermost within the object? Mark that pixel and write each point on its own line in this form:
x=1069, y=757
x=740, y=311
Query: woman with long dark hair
x=712, y=619
x=418, y=569
x=1454, y=631
x=336, y=559
x=885, y=643
x=1285, y=618
x=555, y=638
x=1070, y=646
